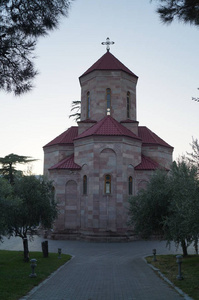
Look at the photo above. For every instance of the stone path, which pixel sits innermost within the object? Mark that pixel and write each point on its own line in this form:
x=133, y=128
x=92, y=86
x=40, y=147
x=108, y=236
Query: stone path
x=102, y=271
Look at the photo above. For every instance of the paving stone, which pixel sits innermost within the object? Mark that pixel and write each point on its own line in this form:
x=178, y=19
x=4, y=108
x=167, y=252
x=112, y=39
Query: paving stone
x=102, y=271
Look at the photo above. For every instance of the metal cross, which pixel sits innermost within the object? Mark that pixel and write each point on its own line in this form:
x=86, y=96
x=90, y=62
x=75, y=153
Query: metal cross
x=107, y=43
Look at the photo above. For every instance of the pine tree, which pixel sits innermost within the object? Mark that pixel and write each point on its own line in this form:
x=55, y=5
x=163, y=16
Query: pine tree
x=22, y=22
x=76, y=106
x=186, y=11
x=9, y=162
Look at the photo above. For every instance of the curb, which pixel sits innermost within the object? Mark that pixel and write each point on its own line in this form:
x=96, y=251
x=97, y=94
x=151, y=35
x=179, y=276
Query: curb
x=186, y=297
x=45, y=280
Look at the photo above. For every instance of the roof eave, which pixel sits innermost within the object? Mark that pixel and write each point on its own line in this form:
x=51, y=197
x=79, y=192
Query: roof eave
x=108, y=135
x=157, y=144
x=59, y=144
x=89, y=72
x=57, y=168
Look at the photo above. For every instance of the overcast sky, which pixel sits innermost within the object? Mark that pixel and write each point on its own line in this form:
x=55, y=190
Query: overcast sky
x=165, y=58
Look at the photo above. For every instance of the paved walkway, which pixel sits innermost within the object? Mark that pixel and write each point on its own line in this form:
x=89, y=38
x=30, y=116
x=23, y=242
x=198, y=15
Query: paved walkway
x=101, y=271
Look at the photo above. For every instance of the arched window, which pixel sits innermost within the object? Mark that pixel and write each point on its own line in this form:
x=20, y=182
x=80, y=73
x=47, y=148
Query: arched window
x=107, y=184
x=85, y=185
x=108, y=101
x=88, y=105
x=130, y=185
x=128, y=104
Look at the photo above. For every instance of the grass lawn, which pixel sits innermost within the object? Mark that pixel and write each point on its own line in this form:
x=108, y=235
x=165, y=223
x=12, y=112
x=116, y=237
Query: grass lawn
x=14, y=272
x=190, y=272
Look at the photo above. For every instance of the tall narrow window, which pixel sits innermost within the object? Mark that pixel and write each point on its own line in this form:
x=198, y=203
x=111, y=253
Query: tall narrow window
x=128, y=104
x=88, y=105
x=130, y=185
x=108, y=101
x=107, y=184
x=85, y=185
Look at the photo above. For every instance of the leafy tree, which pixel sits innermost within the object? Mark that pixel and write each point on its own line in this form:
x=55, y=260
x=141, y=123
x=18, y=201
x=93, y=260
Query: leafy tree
x=181, y=225
x=148, y=209
x=169, y=206
x=186, y=11
x=193, y=157
x=9, y=162
x=22, y=23
x=5, y=192
x=76, y=106
x=30, y=204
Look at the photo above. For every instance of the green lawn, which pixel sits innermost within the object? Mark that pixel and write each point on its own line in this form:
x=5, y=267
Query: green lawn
x=14, y=272
x=190, y=271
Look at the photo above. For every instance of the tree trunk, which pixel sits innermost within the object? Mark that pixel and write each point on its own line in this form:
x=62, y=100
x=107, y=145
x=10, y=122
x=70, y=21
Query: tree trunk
x=196, y=245
x=45, y=248
x=25, y=249
x=184, y=248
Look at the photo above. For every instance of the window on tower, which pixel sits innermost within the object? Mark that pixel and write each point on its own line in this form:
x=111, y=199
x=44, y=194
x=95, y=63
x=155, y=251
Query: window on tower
x=128, y=105
x=88, y=105
x=107, y=184
x=85, y=185
x=130, y=185
x=108, y=101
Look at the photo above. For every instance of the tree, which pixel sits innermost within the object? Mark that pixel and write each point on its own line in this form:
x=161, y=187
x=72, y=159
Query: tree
x=181, y=225
x=169, y=206
x=30, y=204
x=5, y=192
x=148, y=209
x=22, y=23
x=195, y=99
x=186, y=11
x=76, y=106
x=9, y=162
x=193, y=157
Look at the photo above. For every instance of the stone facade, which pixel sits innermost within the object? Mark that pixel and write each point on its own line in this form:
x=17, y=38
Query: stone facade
x=99, y=164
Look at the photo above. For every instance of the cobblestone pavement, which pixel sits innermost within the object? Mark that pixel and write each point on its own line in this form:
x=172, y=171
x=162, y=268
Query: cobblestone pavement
x=101, y=271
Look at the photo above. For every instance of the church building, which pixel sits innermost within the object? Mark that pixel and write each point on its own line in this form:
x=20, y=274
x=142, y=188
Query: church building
x=98, y=164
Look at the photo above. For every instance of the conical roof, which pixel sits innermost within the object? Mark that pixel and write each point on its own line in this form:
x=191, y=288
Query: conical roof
x=108, y=62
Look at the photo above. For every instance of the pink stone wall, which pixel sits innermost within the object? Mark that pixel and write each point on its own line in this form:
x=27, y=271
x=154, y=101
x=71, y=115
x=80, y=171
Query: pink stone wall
x=140, y=180
x=96, y=83
x=54, y=154
x=82, y=126
x=67, y=194
x=131, y=126
x=101, y=155
x=162, y=155
x=98, y=212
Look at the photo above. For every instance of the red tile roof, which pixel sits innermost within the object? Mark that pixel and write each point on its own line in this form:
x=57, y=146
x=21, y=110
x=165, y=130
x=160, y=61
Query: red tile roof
x=107, y=127
x=128, y=121
x=87, y=121
x=108, y=62
x=65, y=138
x=67, y=163
x=147, y=164
x=150, y=138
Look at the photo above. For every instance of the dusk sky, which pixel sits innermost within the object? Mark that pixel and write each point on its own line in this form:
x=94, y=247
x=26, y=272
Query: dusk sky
x=165, y=58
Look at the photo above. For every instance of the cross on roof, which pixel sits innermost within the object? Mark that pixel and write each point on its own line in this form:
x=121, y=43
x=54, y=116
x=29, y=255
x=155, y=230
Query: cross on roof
x=108, y=43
